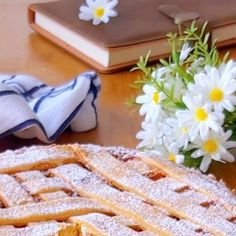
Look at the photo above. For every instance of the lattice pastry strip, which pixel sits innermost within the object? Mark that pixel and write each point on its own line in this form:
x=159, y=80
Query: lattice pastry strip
x=148, y=197
x=40, y=157
x=53, y=196
x=127, y=222
x=53, y=210
x=160, y=192
x=126, y=155
x=45, y=185
x=12, y=193
x=207, y=185
x=153, y=219
x=29, y=175
x=45, y=229
x=102, y=225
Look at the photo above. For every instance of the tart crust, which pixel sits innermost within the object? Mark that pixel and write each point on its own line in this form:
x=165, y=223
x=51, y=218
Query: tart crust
x=69, y=190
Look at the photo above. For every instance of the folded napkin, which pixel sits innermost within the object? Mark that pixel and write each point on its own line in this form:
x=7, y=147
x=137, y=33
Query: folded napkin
x=30, y=108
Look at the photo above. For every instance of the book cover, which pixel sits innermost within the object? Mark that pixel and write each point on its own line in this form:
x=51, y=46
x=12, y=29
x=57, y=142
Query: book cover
x=139, y=27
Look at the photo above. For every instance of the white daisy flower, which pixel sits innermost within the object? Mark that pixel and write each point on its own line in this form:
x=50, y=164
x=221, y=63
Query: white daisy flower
x=162, y=73
x=216, y=88
x=151, y=103
x=98, y=11
x=229, y=67
x=186, y=49
x=151, y=135
x=172, y=81
x=213, y=148
x=196, y=66
x=177, y=86
x=174, y=133
x=198, y=118
x=171, y=153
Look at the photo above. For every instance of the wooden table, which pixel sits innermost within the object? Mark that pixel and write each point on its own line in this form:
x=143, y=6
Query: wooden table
x=24, y=51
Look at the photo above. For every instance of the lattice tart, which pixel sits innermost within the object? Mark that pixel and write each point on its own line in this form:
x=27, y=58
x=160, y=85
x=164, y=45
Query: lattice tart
x=75, y=189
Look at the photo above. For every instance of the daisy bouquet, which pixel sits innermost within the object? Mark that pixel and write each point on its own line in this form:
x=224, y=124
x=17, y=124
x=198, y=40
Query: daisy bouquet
x=188, y=102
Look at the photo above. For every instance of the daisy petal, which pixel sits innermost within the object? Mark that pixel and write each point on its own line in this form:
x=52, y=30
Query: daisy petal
x=228, y=106
x=91, y=3
x=227, y=156
x=206, y=161
x=197, y=154
x=85, y=17
x=140, y=135
x=216, y=157
x=96, y=21
x=143, y=110
x=179, y=159
x=98, y=11
x=230, y=144
x=148, y=89
x=105, y=19
x=85, y=10
x=142, y=99
x=112, y=4
x=112, y=13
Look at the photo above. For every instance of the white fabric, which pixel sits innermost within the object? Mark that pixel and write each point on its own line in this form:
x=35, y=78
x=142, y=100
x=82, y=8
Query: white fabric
x=30, y=108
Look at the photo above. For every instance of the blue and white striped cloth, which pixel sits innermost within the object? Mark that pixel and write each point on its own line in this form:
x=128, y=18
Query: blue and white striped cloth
x=30, y=108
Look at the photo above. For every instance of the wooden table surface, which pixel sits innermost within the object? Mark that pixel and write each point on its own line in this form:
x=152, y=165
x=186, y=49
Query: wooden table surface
x=24, y=51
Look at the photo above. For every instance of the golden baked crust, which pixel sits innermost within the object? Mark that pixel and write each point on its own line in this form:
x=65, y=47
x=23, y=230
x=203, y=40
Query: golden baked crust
x=69, y=190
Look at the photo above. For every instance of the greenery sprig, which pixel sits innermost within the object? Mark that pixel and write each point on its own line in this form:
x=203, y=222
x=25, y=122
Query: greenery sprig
x=188, y=101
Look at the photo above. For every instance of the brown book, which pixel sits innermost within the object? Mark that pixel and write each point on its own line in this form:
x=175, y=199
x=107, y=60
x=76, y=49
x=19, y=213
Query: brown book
x=140, y=27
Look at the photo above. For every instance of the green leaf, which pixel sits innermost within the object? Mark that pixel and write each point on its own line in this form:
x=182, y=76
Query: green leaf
x=203, y=29
x=206, y=38
x=130, y=102
x=137, y=85
x=193, y=27
x=175, y=57
x=192, y=162
x=134, y=69
x=164, y=62
x=225, y=58
x=180, y=105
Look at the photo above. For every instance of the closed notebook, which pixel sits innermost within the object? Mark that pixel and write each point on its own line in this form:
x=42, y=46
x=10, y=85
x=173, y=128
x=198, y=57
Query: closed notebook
x=140, y=27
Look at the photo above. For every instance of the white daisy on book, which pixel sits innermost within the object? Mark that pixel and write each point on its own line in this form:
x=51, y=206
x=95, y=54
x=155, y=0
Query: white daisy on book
x=98, y=11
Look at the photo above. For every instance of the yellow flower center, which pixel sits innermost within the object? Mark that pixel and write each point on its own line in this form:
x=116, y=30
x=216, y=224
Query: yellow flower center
x=201, y=114
x=210, y=146
x=99, y=12
x=216, y=95
x=184, y=130
x=172, y=157
x=156, y=97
